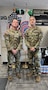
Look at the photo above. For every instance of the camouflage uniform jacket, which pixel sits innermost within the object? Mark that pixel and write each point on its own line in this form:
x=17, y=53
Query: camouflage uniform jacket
x=13, y=39
x=33, y=37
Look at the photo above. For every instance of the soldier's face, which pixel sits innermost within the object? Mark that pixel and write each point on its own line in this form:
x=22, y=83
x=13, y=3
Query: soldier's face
x=15, y=23
x=32, y=21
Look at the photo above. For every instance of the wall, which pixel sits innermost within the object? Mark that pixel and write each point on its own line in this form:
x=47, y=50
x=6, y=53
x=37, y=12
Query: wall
x=3, y=24
x=44, y=42
x=0, y=40
x=5, y=11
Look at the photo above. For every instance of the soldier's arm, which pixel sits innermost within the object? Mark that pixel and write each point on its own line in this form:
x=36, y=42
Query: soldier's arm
x=20, y=44
x=39, y=39
x=6, y=36
x=27, y=43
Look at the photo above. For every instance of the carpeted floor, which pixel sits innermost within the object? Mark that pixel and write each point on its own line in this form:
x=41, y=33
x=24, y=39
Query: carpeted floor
x=3, y=82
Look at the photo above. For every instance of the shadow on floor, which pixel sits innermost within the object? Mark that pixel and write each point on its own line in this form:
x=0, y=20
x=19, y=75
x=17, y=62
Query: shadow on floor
x=3, y=82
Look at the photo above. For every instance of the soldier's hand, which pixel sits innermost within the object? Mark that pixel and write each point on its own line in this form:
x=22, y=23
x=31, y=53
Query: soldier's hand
x=32, y=49
x=14, y=51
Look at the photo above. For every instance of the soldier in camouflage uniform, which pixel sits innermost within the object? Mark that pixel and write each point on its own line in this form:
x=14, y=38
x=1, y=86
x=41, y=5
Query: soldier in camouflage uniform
x=33, y=37
x=13, y=41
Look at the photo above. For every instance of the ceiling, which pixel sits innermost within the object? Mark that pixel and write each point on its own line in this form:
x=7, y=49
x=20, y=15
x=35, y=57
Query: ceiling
x=30, y=4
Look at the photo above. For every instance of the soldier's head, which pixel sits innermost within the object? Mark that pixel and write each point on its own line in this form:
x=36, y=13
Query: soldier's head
x=14, y=23
x=32, y=21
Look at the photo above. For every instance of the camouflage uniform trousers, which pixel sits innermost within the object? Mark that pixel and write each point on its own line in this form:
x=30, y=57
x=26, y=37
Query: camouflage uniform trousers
x=13, y=59
x=34, y=61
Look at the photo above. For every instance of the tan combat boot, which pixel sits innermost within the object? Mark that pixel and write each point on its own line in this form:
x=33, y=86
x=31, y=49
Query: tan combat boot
x=10, y=78
x=38, y=78
x=18, y=75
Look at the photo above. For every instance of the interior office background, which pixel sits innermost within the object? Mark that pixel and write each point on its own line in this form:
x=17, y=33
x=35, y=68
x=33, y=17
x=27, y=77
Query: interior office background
x=6, y=11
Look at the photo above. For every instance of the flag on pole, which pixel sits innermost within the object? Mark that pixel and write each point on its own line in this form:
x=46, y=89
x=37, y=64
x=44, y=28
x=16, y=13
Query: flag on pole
x=24, y=27
x=24, y=23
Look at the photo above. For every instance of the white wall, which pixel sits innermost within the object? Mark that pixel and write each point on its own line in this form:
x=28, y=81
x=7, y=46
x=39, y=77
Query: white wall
x=0, y=39
x=44, y=42
x=5, y=11
x=3, y=24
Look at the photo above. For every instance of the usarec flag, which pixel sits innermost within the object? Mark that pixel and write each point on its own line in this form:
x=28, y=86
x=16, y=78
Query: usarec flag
x=24, y=23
